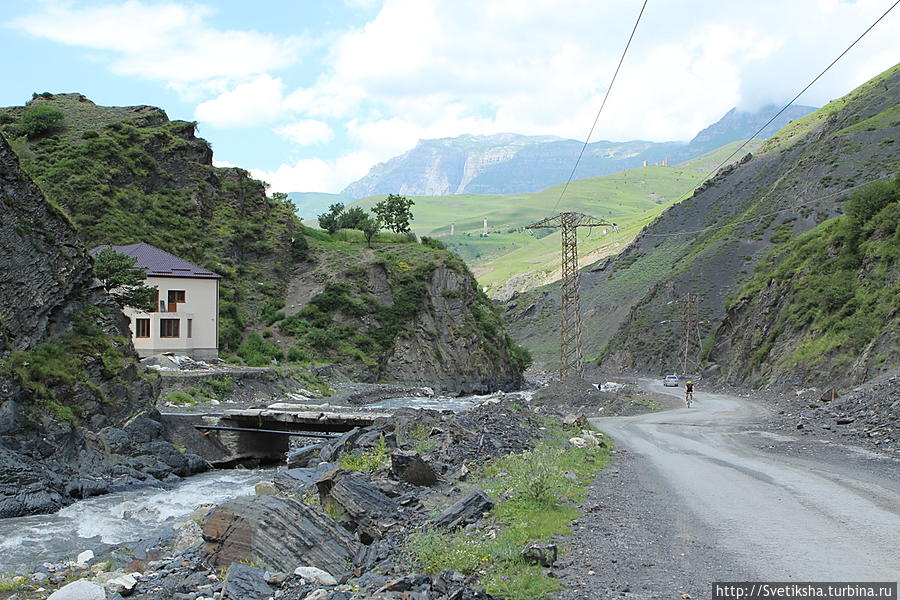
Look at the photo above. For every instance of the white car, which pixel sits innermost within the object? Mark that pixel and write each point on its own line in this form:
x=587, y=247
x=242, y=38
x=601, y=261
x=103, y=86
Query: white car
x=671, y=381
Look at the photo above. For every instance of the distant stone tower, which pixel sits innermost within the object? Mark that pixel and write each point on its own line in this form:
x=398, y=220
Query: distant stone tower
x=484, y=228
x=452, y=228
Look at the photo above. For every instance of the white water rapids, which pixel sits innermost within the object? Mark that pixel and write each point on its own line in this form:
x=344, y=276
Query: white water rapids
x=114, y=518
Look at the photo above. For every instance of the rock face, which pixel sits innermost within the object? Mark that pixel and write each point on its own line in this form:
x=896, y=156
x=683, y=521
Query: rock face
x=76, y=415
x=277, y=532
x=507, y=163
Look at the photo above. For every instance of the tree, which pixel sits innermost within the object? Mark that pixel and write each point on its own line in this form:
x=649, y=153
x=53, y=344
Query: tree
x=370, y=228
x=329, y=221
x=124, y=281
x=41, y=118
x=352, y=218
x=394, y=212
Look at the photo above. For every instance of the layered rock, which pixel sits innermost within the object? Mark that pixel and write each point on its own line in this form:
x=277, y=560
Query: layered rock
x=70, y=391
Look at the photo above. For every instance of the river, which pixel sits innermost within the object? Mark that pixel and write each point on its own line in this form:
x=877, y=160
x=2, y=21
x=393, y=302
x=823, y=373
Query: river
x=127, y=517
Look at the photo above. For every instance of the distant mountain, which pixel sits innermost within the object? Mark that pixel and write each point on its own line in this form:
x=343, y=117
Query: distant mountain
x=508, y=163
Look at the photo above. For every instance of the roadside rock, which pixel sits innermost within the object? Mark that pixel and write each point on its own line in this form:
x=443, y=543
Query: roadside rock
x=408, y=466
x=468, y=510
x=79, y=590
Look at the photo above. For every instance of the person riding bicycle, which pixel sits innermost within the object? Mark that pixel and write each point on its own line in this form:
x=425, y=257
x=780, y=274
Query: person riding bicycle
x=689, y=391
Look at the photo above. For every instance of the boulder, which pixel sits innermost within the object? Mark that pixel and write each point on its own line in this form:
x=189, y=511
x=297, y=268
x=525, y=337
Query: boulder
x=409, y=467
x=301, y=457
x=79, y=590
x=243, y=582
x=123, y=585
x=302, y=480
x=279, y=533
x=361, y=502
x=315, y=576
x=466, y=511
x=544, y=555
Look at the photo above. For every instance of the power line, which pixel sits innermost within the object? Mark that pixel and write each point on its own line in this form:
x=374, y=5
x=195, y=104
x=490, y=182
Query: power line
x=605, y=97
x=758, y=217
x=800, y=93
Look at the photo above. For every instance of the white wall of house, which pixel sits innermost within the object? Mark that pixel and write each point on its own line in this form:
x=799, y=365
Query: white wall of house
x=197, y=319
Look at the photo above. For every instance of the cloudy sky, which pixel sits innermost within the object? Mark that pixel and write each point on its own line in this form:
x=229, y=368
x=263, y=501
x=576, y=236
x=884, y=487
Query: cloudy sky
x=308, y=95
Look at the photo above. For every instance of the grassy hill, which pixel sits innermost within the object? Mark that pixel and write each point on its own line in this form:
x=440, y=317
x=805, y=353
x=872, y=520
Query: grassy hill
x=631, y=199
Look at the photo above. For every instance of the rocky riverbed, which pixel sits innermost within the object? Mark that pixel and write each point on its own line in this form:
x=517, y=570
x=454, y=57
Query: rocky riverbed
x=322, y=528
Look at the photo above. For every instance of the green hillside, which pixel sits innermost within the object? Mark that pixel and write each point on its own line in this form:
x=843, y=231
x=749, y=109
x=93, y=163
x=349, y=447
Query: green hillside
x=631, y=199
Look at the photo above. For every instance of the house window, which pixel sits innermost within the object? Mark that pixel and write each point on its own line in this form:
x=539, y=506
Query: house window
x=190, y=332
x=175, y=297
x=169, y=328
x=142, y=328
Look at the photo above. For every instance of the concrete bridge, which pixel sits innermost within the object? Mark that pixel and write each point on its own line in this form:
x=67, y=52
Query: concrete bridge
x=253, y=436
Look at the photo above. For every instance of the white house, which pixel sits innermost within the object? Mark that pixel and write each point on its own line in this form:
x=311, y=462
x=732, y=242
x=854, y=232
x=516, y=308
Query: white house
x=187, y=317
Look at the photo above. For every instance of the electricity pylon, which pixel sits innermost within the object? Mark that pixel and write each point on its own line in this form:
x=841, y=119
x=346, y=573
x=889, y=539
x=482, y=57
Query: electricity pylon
x=570, y=361
x=692, y=324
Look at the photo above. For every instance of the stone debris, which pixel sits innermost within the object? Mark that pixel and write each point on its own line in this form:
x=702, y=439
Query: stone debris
x=468, y=510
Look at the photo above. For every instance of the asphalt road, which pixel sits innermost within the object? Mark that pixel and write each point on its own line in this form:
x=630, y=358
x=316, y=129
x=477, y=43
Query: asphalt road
x=827, y=514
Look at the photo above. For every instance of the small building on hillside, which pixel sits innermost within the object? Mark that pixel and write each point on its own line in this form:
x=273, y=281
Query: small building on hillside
x=186, y=321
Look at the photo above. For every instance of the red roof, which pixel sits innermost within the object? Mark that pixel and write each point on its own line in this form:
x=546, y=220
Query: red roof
x=159, y=263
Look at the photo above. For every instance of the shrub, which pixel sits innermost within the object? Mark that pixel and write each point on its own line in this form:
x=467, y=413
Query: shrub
x=258, y=352
x=40, y=119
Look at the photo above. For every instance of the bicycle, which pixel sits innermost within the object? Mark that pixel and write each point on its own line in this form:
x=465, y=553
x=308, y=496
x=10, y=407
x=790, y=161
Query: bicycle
x=688, y=398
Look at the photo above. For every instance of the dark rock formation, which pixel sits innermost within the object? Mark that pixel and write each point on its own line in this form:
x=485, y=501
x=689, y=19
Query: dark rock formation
x=408, y=466
x=468, y=510
x=243, y=582
x=279, y=533
x=77, y=413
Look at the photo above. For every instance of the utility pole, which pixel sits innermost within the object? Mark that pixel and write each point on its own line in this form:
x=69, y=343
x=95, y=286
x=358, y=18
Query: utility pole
x=692, y=323
x=570, y=361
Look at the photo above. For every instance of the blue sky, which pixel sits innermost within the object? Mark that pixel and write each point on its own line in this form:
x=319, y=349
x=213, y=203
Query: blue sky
x=309, y=95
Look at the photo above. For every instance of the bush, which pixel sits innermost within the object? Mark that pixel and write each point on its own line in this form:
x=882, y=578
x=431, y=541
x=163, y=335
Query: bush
x=258, y=352
x=41, y=119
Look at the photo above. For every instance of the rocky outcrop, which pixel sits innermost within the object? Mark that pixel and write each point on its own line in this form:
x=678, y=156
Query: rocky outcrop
x=449, y=346
x=76, y=414
x=280, y=533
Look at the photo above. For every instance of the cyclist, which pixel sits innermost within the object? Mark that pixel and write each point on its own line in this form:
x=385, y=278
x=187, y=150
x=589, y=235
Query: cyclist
x=688, y=392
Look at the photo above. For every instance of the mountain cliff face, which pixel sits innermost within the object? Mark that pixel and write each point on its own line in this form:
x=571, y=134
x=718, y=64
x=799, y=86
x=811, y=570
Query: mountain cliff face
x=822, y=307
x=399, y=313
x=508, y=163
x=76, y=416
x=635, y=307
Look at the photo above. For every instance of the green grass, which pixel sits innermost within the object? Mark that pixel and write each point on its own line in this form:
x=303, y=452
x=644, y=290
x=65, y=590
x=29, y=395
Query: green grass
x=886, y=118
x=368, y=460
x=535, y=501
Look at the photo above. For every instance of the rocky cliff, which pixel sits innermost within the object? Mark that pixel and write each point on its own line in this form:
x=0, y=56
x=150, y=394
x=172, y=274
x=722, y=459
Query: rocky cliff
x=508, y=163
x=637, y=308
x=398, y=313
x=76, y=415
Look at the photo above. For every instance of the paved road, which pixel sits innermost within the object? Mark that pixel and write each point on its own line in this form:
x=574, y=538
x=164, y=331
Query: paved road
x=829, y=516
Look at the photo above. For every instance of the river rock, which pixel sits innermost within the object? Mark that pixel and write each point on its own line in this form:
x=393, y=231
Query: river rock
x=408, y=466
x=243, y=582
x=79, y=590
x=315, y=576
x=123, y=585
x=302, y=480
x=468, y=510
x=361, y=502
x=301, y=457
x=85, y=557
x=277, y=532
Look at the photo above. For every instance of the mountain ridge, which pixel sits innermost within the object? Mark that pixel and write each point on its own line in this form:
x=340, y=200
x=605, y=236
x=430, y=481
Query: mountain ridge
x=513, y=163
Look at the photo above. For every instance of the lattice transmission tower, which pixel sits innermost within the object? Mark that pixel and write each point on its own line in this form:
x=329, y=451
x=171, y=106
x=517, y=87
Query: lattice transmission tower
x=570, y=360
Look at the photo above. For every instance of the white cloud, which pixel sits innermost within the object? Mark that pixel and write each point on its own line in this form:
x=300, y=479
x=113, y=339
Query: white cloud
x=315, y=174
x=162, y=41
x=306, y=132
x=252, y=103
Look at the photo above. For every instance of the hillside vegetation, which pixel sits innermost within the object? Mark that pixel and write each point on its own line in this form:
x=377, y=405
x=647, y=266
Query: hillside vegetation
x=825, y=304
x=128, y=174
x=510, y=259
x=709, y=245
